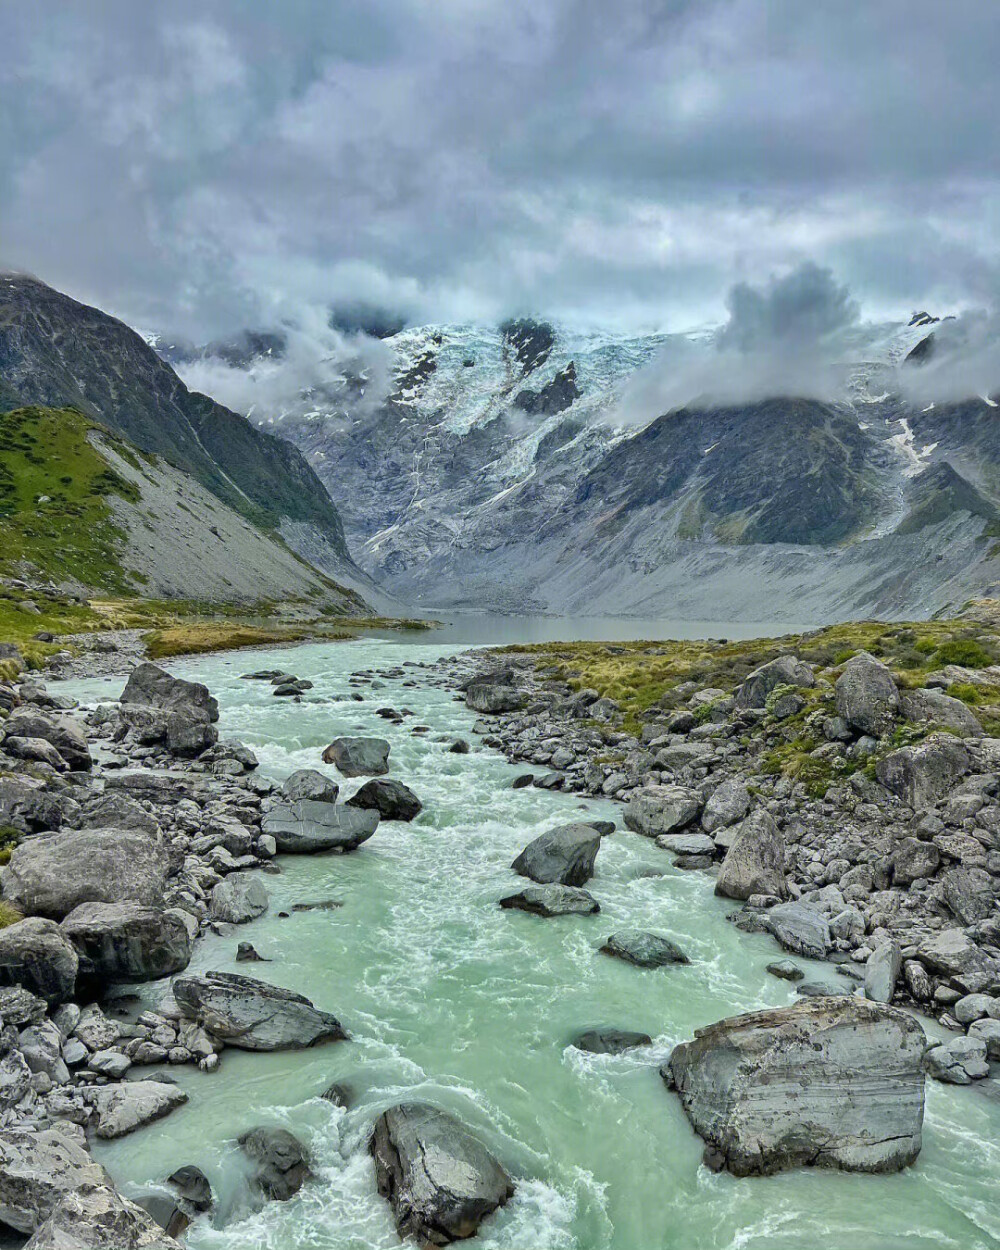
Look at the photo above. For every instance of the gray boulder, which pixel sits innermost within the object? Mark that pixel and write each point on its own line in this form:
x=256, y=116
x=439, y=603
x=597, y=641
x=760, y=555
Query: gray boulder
x=726, y=805
x=492, y=699
x=15, y=1079
x=38, y=1167
x=968, y=893
x=283, y=1163
x=959, y=1061
x=828, y=1082
x=561, y=856
x=309, y=826
x=97, y=1217
x=755, y=862
x=934, y=707
x=128, y=941
x=308, y=783
x=61, y=732
x=439, y=1179
x=359, y=757
x=656, y=810
x=50, y=874
x=552, y=900
x=988, y=1032
x=867, y=697
x=238, y=898
x=152, y=686
x=951, y=953
x=798, y=927
x=686, y=843
x=122, y=1108
x=914, y=859
x=391, y=799
x=181, y=733
x=644, y=949
x=882, y=971
x=36, y=749
x=922, y=774
x=610, y=1041
x=786, y=670
x=36, y=955
x=252, y=1015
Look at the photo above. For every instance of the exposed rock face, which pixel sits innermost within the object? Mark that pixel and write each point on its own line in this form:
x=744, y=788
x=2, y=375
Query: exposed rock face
x=552, y=900
x=52, y=873
x=922, y=774
x=127, y=941
x=238, y=898
x=800, y=928
x=867, y=697
x=61, y=732
x=913, y=859
x=283, y=1161
x=832, y=1082
x=121, y=1109
x=37, y=1168
x=152, y=686
x=656, y=810
x=727, y=804
x=391, y=799
x=359, y=757
x=561, y=856
x=786, y=670
x=35, y=954
x=97, y=1217
x=309, y=825
x=253, y=1015
x=754, y=864
x=491, y=699
x=933, y=707
x=644, y=949
x=307, y=783
x=440, y=1180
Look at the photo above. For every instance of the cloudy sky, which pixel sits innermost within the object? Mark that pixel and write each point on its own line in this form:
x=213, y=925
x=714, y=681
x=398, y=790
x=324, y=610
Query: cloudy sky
x=200, y=165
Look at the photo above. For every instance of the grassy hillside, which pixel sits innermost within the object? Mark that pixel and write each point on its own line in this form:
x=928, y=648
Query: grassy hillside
x=55, y=517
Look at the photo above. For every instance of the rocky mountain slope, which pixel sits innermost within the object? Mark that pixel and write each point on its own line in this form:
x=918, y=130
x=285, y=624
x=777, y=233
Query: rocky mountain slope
x=528, y=468
x=81, y=508
x=57, y=353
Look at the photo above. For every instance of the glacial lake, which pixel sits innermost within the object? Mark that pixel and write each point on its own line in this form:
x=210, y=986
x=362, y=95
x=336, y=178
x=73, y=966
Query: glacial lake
x=452, y=1000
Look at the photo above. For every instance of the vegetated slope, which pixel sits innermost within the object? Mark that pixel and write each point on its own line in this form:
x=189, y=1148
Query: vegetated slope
x=82, y=508
x=59, y=353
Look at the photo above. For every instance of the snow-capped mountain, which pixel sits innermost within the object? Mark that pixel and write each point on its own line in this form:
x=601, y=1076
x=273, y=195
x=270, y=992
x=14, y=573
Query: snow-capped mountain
x=529, y=467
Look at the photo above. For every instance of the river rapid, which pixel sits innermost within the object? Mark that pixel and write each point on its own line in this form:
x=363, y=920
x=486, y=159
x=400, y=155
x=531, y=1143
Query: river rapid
x=449, y=999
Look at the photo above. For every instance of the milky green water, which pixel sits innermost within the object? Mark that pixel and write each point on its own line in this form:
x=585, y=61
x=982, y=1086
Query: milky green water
x=450, y=999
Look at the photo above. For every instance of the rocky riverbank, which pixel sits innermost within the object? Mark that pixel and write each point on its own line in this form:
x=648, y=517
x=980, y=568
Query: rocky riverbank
x=889, y=868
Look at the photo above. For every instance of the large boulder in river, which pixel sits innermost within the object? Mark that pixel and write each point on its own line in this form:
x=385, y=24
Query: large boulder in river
x=36, y=955
x=181, y=733
x=38, y=1167
x=552, y=900
x=238, y=898
x=493, y=698
x=643, y=949
x=786, y=670
x=755, y=863
x=282, y=1162
x=97, y=1217
x=799, y=928
x=51, y=873
x=128, y=941
x=439, y=1179
x=655, y=810
x=922, y=774
x=310, y=825
x=119, y=1109
x=252, y=1015
x=828, y=1082
x=309, y=783
x=561, y=856
x=152, y=686
x=867, y=697
x=61, y=732
x=359, y=757
x=391, y=799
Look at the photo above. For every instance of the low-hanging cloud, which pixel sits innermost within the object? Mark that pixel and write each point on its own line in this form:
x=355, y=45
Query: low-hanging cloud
x=963, y=361
x=784, y=338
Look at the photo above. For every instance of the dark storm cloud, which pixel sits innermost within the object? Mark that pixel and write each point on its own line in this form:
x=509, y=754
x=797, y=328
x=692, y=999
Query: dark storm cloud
x=204, y=165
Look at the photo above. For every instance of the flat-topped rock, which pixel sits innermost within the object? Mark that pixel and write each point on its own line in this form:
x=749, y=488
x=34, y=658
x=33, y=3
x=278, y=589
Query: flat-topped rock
x=799, y=928
x=552, y=900
x=309, y=826
x=828, y=1082
x=123, y=1108
x=656, y=810
x=643, y=949
x=252, y=1015
x=607, y=1041
x=38, y=1167
x=439, y=1179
